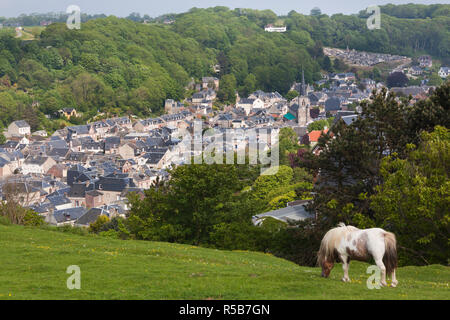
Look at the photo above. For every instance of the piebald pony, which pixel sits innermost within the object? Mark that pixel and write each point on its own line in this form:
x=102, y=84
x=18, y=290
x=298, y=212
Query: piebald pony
x=347, y=242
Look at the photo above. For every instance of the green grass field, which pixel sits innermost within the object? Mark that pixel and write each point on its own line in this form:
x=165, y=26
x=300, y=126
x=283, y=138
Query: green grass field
x=33, y=265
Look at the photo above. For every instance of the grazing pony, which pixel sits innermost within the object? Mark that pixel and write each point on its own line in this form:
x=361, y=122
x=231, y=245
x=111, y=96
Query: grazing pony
x=346, y=242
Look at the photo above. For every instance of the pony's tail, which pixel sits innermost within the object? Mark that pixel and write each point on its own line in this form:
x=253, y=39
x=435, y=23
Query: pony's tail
x=390, y=255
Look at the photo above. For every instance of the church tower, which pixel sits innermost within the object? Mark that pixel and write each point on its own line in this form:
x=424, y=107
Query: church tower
x=303, y=111
x=303, y=104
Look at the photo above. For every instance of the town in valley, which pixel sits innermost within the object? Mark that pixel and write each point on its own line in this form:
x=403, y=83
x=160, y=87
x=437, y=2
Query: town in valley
x=82, y=172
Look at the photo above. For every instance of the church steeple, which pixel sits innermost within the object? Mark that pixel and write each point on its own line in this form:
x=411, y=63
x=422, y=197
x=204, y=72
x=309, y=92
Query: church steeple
x=303, y=83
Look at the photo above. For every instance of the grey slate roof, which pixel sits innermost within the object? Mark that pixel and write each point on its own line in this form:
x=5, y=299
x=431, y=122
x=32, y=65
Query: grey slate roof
x=112, y=142
x=154, y=157
x=42, y=207
x=10, y=144
x=78, y=190
x=225, y=117
x=113, y=183
x=267, y=95
x=70, y=214
x=3, y=162
x=60, y=192
x=81, y=129
x=89, y=217
x=36, y=160
x=77, y=156
x=58, y=152
x=349, y=119
x=246, y=101
x=58, y=200
x=293, y=213
x=57, y=144
x=333, y=104
x=21, y=123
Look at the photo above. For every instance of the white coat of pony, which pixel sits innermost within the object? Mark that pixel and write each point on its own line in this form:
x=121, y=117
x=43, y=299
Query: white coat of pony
x=347, y=242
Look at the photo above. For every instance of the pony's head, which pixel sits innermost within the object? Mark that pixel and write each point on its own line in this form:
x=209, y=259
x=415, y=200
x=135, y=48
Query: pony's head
x=327, y=266
x=326, y=257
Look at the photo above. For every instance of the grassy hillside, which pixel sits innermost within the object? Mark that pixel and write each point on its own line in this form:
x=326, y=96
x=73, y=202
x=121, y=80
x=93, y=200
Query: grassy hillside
x=34, y=261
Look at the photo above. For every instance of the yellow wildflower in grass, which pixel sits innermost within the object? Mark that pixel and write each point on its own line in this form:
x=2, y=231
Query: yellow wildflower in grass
x=43, y=247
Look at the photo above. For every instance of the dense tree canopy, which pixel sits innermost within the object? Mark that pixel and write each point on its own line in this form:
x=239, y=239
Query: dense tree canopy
x=415, y=197
x=397, y=79
x=114, y=65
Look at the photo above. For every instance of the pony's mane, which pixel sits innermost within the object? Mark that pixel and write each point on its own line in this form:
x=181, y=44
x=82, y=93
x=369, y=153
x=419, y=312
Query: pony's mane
x=342, y=225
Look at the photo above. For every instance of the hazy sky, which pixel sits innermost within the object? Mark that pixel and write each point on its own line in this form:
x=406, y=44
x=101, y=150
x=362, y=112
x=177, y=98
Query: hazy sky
x=121, y=8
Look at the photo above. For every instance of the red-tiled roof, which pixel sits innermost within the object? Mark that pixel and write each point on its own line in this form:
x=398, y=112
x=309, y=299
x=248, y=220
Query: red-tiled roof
x=315, y=134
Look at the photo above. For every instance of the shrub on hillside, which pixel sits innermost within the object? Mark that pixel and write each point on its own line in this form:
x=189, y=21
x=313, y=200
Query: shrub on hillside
x=4, y=221
x=16, y=214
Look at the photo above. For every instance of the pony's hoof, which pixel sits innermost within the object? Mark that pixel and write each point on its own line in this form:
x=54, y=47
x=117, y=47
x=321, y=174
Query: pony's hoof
x=394, y=284
x=384, y=284
x=345, y=280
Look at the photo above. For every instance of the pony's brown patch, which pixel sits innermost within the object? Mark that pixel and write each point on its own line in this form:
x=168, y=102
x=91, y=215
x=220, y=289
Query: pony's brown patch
x=361, y=252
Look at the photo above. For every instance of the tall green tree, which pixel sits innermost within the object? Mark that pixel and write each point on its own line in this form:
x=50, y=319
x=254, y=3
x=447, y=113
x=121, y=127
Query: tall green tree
x=288, y=141
x=249, y=85
x=414, y=199
x=195, y=200
x=397, y=79
x=291, y=95
x=227, y=90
